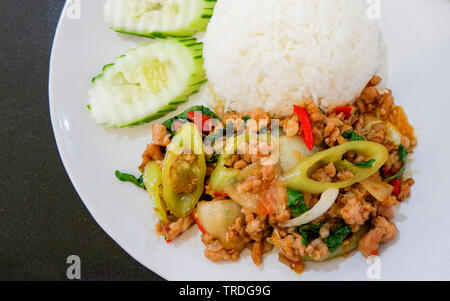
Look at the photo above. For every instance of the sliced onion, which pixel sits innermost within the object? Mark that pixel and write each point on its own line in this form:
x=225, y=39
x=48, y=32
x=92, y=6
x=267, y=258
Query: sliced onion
x=290, y=149
x=393, y=134
x=377, y=188
x=217, y=216
x=327, y=200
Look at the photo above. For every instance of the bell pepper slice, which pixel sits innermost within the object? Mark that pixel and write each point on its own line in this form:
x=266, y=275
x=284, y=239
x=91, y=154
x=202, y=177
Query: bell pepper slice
x=153, y=182
x=307, y=134
x=298, y=178
x=179, y=172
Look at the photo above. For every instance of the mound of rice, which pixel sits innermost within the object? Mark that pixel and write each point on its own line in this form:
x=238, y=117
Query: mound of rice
x=274, y=53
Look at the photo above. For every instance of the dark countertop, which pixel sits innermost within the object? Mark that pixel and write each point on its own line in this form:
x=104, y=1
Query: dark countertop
x=42, y=219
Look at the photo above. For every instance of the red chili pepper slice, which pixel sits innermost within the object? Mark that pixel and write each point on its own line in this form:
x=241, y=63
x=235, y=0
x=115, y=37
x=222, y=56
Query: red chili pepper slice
x=220, y=194
x=397, y=185
x=194, y=117
x=386, y=172
x=200, y=226
x=342, y=109
x=307, y=134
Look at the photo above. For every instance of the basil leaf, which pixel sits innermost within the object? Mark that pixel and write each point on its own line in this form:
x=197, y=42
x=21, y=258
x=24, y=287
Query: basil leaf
x=365, y=164
x=309, y=232
x=296, y=203
x=336, y=239
x=402, y=153
x=323, y=111
x=352, y=136
x=125, y=177
x=213, y=159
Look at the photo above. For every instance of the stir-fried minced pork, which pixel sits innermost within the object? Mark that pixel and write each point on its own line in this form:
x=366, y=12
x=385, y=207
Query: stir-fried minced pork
x=358, y=218
x=216, y=252
x=160, y=135
x=153, y=152
x=174, y=229
x=384, y=231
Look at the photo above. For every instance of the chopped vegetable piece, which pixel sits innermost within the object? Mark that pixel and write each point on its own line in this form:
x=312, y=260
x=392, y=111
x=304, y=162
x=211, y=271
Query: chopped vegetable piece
x=377, y=188
x=213, y=159
x=215, y=217
x=199, y=119
x=271, y=198
x=153, y=182
x=323, y=111
x=352, y=136
x=346, y=247
x=296, y=203
x=205, y=111
x=125, y=177
x=397, y=185
x=335, y=240
x=200, y=226
x=298, y=178
x=305, y=121
x=326, y=200
x=402, y=153
x=365, y=164
x=184, y=173
x=292, y=151
x=309, y=232
x=221, y=195
x=222, y=174
x=347, y=110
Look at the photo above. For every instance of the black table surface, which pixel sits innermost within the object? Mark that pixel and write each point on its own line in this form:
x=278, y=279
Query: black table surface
x=42, y=219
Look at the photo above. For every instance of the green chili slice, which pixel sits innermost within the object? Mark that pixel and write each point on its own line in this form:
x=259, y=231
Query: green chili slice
x=153, y=182
x=221, y=174
x=184, y=170
x=298, y=178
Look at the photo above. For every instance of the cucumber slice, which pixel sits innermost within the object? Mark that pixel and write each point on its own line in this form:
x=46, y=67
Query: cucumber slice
x=159, y=18
x=147, y=83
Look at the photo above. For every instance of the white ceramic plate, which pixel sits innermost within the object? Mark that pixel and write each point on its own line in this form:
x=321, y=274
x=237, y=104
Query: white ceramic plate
x=417, y=34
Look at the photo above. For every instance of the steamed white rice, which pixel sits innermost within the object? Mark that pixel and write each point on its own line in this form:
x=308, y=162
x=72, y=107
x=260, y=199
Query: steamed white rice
x=272, y=54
